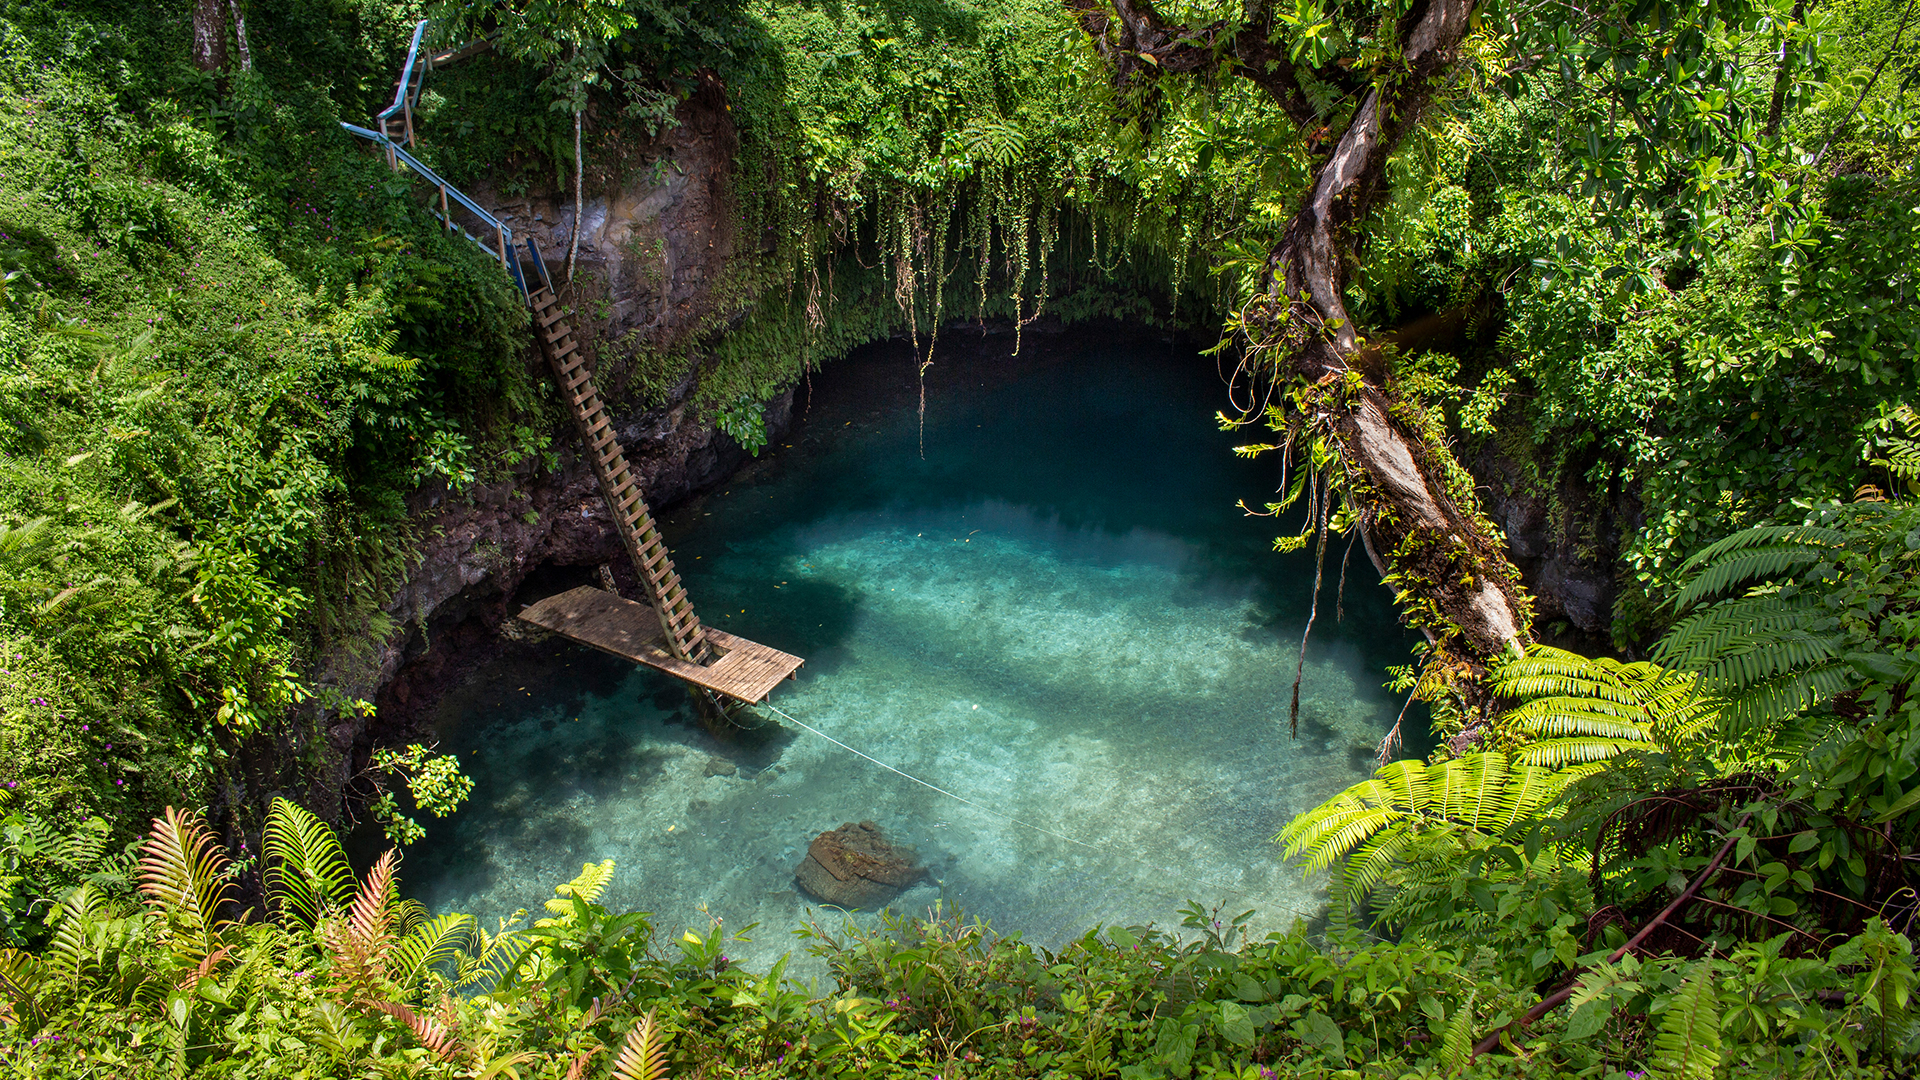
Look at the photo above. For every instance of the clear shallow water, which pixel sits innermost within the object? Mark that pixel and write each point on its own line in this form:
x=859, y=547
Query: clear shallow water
x=1057, y=614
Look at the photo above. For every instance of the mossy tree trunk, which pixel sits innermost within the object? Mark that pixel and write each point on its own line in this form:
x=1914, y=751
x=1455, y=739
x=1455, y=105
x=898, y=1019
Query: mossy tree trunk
x=1411, y=500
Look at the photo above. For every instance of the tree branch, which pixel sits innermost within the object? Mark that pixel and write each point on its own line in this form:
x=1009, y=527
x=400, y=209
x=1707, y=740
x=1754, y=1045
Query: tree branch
x=1138, y=45
x=1559, y=997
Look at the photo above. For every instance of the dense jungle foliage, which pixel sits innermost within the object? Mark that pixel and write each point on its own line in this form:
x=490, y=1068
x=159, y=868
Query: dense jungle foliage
x=1659, y=252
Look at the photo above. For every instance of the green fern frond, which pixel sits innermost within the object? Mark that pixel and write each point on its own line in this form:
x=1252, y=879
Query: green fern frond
x=1757, y=661
x=1711, y=631
x=494, y=967
x=439, y=940
x=1456, y=1045
x=183, y=875
x=1334, y=831
x=407, y=914
x=23, y=978
x=1734, y=550
x=1747, y=566
x=1563, y=717
x=1688, y=1045
x=1557, y=754
x=1368, y=864
x=1372, y=823
x=588, y=886
x=307, y=871
x=68, y=956
x=1778, y=699
x=1590, y=709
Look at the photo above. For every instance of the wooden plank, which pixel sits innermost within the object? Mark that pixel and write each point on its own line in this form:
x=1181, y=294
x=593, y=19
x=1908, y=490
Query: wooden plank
x=745, y=670
x=598, y=618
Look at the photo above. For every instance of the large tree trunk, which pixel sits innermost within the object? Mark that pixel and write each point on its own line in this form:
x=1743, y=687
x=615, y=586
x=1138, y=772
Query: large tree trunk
x=209, y=34
x=1418, y=518
x=240, y=36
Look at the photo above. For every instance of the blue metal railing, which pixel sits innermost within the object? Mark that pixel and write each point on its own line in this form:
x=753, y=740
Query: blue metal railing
x=403, y=93
x=397, y=156
x=503, y=234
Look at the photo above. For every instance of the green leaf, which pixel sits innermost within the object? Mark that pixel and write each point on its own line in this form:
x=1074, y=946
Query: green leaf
x=1233, y=1024
x=1900, y=806
x=1587, y=1020
x=1318, y=1030
x=1248, y=988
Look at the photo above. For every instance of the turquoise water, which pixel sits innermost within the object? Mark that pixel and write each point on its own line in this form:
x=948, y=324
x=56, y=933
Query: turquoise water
x=1058, y=615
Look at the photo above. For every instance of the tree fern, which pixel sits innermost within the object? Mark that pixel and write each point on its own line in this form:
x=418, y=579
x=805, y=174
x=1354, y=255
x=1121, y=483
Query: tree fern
x=1756, y=554
x=183, y=876
x=1373, y=822
x=1584, y=710
x=307, y=871
x=1688, y=1046
x=1807, y=603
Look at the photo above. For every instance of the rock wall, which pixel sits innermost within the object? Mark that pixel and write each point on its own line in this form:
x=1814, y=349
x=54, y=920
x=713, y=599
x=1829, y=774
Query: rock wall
x=654, y=247
x=1566, y=539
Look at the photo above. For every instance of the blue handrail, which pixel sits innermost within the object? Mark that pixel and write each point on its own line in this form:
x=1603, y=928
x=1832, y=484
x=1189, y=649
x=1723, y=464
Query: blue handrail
x=509, y=259
x=400, y=101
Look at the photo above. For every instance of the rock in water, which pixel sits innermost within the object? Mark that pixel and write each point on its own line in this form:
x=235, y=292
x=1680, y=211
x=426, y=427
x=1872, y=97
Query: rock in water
x=854, y=866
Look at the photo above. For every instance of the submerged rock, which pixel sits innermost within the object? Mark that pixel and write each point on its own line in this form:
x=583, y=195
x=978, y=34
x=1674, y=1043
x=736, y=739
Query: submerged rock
x=855, y=866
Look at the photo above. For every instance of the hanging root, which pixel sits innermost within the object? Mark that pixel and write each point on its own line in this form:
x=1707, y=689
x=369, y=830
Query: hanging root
x=1321, y=499
x=924, y=365
x=1340, y=595
x=1391, y=745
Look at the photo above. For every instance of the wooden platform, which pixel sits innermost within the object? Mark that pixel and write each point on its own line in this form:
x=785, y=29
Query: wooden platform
x=738, y=668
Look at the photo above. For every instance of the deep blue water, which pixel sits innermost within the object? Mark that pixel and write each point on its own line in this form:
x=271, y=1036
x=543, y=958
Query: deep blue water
x=1057, y=614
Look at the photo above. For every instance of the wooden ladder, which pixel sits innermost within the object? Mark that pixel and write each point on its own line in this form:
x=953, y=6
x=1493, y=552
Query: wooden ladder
x=685, y=637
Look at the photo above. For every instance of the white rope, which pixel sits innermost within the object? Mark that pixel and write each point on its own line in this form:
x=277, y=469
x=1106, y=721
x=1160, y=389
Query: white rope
x=1102, y=848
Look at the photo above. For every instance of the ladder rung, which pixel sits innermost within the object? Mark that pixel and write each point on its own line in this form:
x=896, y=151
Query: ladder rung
x=558, y=332
x=557, y=316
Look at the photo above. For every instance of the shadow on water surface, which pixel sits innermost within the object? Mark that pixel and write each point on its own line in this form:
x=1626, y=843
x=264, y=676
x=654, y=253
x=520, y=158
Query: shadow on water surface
x=1058, y=615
